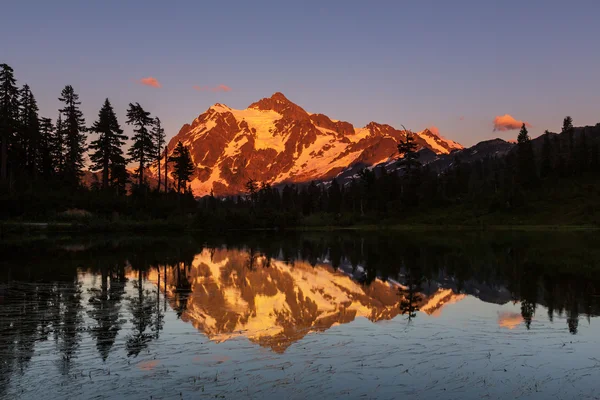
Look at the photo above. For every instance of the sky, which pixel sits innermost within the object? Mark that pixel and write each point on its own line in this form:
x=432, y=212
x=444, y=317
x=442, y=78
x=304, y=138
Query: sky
x=475, y=70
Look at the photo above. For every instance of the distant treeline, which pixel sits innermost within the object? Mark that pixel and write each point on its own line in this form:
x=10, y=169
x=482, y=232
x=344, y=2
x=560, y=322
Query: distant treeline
x=557, y=182
x=42, y=172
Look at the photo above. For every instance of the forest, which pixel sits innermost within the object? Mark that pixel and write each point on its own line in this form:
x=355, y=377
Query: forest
x=551, y=180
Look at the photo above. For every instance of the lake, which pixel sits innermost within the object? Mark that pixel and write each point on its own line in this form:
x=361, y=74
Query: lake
x=308, y=315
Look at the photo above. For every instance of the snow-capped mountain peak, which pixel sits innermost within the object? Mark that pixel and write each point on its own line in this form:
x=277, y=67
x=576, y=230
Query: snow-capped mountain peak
x=276, y=141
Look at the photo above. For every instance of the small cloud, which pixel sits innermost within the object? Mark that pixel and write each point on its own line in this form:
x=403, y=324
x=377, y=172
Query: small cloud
x=434, y=129
x=218, y=88
x=462, y=117
x=150, y=81
x=507, y=122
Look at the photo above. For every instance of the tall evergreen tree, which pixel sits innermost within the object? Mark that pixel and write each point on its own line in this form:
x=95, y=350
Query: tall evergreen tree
x=9, y=111
x=408, y=150
x=568, y=131
x=567, y=128
x=45, y=159
x=143, y=149
x=59, y=147
x=107, y=147
x=546, y=168
x=28, y=133
x=119, y=177
x=526, y=169
x=183, y=166
x=158, y=132
x=166, y=154
x=74, y=131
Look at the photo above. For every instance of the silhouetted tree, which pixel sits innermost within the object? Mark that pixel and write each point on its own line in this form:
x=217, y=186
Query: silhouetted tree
x=546, y=168
x=9, y=111
x=568, y=130
x=105, y=306
x=107, y=152
x=408, y=150
x=142, y=307
x=45, y=156
x=158, y=132
x=166, y=155
x=27, y=145
x=252, y=190
x=143, y=148
x=58, y=146
x=73, y=125
x=119, y=178
x=183, y=166
x=526, y=168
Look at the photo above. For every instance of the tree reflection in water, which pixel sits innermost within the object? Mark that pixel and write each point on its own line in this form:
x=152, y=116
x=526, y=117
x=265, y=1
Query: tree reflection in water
x=273, y=289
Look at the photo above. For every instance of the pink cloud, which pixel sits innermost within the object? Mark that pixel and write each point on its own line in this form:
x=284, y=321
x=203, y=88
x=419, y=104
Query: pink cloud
x=150, y=81
x=507, y=122
x=434, y=129
x=218, y=88
x=462, y=117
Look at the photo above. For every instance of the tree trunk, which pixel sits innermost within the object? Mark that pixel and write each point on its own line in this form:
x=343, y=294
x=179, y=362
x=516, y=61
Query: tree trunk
x=166, y=168
x=141, y=171
x=159, y=182
x=105, y=174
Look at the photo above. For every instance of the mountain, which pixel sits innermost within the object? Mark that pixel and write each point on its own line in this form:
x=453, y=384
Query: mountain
x=227, y=294
x=277, y=141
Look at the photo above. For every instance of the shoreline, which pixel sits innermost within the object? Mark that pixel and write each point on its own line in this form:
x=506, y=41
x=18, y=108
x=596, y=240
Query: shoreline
x=170, y=226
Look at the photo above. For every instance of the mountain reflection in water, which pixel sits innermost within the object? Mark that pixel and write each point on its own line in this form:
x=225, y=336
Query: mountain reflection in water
x=64, y=297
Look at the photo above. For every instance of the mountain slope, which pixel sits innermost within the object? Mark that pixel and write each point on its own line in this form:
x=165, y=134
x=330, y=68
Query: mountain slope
x=277, y=141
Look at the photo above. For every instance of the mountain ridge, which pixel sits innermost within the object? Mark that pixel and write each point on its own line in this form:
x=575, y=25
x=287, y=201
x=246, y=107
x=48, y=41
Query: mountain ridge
x=277, y=141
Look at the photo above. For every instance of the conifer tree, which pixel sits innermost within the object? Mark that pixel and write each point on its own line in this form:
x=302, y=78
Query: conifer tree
x=408, y=149
x=526, y=169
x=166, y=169
x=183, y=166
x=568, y=131
x=28, y=133
x=546, y=168
x=119, y=177
x=158, y=132
x=9, y=111
x=73, y=126
x=107, y=147
x=58, y=147
x=143, y=149
x=45, y=159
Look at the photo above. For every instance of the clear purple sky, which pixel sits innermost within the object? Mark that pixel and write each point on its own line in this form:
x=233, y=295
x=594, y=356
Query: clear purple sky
x=451, y=64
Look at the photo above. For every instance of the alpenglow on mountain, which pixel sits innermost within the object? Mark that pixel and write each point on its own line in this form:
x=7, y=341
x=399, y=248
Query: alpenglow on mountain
x=277, y=141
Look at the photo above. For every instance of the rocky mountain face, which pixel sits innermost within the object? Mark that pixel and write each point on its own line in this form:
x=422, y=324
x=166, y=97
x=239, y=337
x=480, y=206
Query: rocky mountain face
x=277, y=141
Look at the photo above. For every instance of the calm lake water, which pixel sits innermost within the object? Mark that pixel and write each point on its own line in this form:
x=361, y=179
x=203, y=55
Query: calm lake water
x=464, y=316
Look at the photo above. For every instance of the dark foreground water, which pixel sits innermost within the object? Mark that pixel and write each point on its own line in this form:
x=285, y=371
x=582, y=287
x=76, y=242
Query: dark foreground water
x=427, y=316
